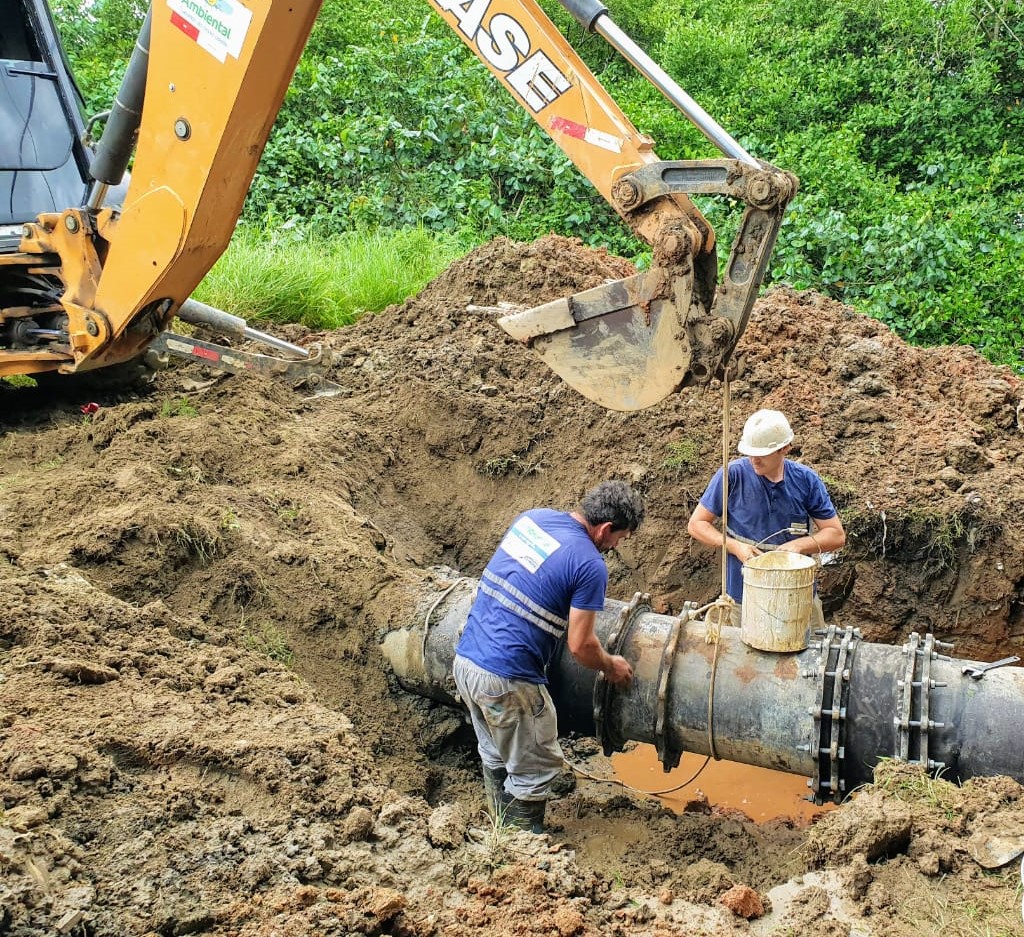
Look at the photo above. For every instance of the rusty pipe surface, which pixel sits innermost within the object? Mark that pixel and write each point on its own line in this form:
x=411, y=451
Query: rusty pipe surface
x=829, y=712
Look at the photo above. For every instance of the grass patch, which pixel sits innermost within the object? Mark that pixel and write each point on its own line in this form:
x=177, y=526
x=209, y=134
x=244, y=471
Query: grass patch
x=495, y=845
x=180, y=407
x=682, y=456
x=514, y=464
x=19, y=380
x=268, y=639
x=984, y=913
x=913, y=785
x=196, y=542
x=937, y=540
x=287, y=510
x=941, y=534
x=323, y=283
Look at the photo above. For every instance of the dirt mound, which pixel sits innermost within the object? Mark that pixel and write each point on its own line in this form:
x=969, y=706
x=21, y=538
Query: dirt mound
x=198, y=733
x=921, y=448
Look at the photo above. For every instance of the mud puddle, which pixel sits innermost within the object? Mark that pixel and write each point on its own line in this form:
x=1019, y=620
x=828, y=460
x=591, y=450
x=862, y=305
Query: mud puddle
x=759, y=793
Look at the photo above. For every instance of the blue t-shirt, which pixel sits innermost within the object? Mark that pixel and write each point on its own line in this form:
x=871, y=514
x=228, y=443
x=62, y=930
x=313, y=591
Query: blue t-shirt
x=545, y=564
x=759, y=509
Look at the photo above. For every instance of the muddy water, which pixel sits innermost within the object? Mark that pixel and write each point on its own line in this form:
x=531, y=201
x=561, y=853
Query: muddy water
x=760, y=793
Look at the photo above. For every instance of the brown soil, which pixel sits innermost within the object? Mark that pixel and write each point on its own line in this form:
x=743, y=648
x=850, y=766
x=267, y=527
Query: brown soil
x=199, y=735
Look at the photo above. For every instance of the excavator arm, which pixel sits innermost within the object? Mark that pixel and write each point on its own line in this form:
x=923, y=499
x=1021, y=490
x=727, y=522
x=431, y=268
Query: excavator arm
x=629, y=344
x=196, y=107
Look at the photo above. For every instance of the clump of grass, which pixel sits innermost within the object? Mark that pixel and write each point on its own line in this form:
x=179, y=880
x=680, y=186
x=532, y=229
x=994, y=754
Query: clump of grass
x=914, y=785
x=284, y=507
x=319, y=282
x=682, y=455
x=502, y=466
x=181, y=407
x=19, y=380
x=495, y=845
x=268, y=639
x=195, y=541
x=229, y=520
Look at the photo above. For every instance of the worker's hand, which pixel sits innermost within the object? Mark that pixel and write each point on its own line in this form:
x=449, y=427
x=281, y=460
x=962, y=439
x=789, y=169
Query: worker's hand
x=619, y=672
x=742, y=551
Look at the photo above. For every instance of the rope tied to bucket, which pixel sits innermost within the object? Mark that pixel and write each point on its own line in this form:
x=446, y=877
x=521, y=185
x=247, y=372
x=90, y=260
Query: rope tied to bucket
x=724, y=598
x=720, y=611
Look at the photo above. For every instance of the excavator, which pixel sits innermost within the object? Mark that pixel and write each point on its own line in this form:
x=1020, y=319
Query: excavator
x=96, y=261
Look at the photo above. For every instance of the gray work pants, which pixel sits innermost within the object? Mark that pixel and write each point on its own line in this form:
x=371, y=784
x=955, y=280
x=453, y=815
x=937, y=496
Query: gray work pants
x=516, y=728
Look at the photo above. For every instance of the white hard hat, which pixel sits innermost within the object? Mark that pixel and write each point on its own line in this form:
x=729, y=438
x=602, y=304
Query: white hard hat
x=765, y=432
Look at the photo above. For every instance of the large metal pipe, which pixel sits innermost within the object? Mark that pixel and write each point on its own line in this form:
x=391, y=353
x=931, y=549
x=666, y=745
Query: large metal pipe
x=829, y=712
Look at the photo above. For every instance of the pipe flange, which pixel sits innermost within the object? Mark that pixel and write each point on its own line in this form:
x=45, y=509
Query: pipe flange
x=913, y=720
x=814, y=746
x=927, y=655
x=611, y=741
x=828, y=736
x=668, y=756
x=840, y=695
x=905, y=705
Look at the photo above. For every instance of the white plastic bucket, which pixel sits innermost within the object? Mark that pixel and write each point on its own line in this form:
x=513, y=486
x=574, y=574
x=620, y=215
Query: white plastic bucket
x=778, y=594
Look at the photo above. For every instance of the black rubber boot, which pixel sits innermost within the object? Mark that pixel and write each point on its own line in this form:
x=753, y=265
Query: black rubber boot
x=525, y=814
x=494, y=789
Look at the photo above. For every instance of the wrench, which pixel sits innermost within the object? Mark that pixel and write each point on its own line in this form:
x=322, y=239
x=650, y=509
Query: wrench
x=976, y=673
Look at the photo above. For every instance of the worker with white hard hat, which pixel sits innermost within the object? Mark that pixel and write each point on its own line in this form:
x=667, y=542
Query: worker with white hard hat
x=774, y=504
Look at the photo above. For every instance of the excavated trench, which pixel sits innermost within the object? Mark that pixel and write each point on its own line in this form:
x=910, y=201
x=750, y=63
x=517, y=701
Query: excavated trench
x=199, y=732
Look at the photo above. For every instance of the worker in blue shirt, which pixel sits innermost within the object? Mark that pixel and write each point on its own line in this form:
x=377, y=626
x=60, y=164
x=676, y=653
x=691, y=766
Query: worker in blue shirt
x=546, y=582
x=774, y=504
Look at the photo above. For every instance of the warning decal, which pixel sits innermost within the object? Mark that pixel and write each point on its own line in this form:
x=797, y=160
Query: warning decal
x=597, y=137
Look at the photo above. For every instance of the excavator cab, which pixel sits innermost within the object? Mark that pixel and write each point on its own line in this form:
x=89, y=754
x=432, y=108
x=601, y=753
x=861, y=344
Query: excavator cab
x=43, y=163
x=43, y=168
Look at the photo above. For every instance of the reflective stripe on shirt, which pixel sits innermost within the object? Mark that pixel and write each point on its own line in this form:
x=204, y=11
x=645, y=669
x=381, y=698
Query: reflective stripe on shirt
x=522, y=606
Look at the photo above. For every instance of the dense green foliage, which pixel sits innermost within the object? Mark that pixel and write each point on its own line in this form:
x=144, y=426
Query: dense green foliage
x=902, y=119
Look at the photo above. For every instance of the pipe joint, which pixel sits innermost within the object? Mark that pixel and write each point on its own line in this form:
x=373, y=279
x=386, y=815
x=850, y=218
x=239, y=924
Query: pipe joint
x=611, y=740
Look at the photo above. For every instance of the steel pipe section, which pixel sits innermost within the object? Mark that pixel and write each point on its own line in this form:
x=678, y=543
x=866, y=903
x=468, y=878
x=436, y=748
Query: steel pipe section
x=829, y=712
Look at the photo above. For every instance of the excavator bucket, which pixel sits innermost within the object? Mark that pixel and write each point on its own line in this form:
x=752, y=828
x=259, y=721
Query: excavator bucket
x=618, y=344
x=628, y=344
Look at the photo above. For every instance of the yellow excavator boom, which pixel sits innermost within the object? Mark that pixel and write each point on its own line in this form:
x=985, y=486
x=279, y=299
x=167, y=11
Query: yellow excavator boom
x=201, y=95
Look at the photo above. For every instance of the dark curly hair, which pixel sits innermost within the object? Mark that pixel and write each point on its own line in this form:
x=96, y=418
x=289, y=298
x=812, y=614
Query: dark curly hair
x=613, y=501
